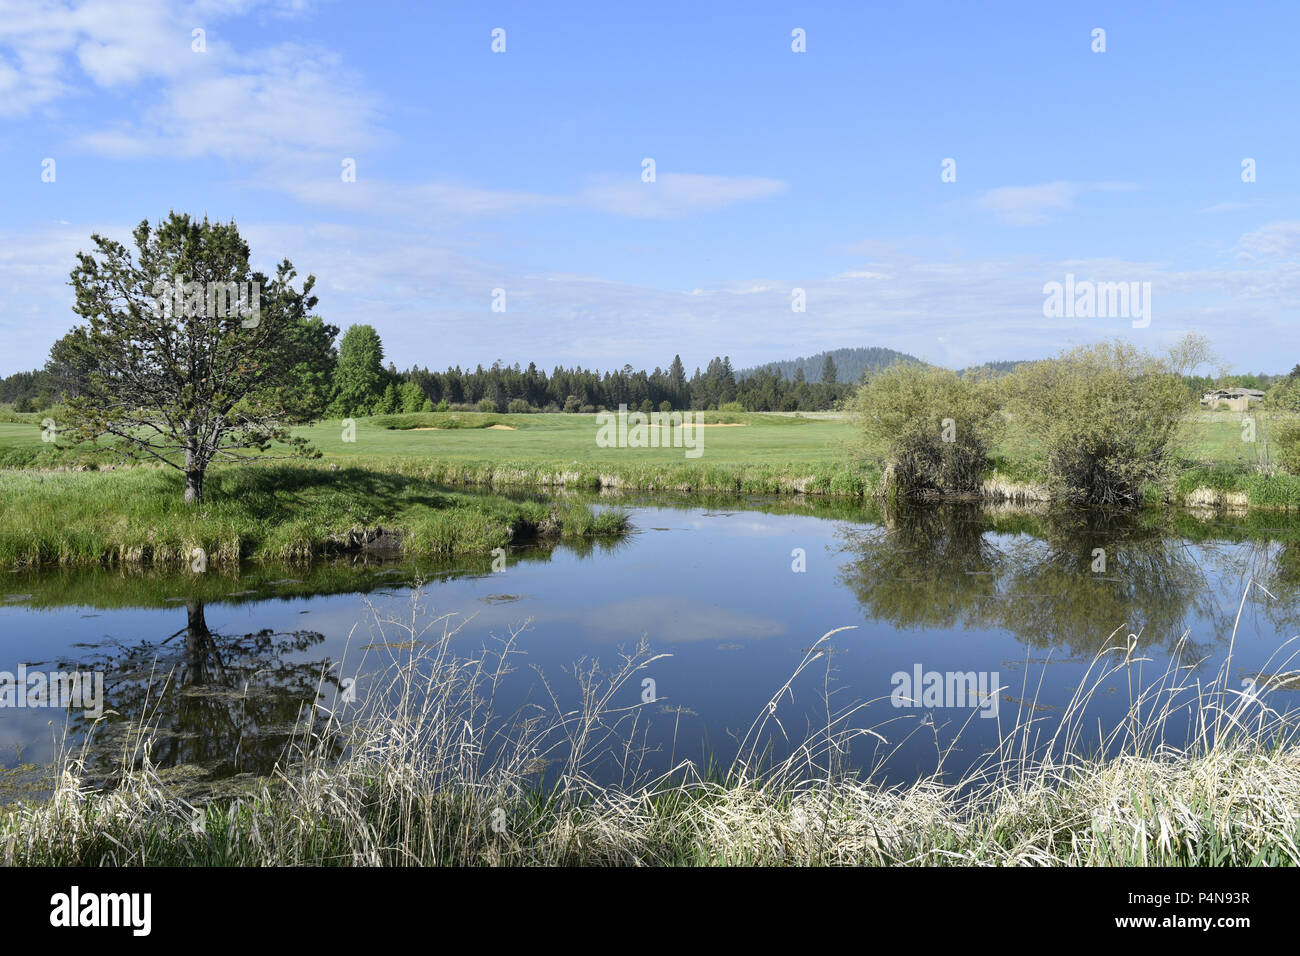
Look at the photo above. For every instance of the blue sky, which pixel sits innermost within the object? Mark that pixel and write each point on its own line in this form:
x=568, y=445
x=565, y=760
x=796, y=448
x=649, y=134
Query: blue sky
x=775, y=170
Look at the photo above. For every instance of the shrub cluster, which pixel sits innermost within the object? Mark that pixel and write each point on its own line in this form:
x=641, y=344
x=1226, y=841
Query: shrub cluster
x=933, y=427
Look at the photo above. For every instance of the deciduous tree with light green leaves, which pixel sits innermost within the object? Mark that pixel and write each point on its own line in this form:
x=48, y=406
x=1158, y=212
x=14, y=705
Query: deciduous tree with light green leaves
x=932, y=427
x=359, y=378
x=1107, y=416
x=411, y=398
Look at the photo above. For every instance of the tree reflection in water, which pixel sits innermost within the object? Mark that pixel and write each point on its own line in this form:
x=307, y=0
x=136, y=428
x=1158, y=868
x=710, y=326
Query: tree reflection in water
x=215, y=704
x=1060, y=578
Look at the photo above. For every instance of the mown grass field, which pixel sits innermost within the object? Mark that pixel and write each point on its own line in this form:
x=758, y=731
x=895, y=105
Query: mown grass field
x=741, y=439
x=742, y=453
x=539, y=439
x=728, y=439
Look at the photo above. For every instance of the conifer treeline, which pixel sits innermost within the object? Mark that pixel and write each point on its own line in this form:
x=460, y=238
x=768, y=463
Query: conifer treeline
x=352, y=379
x=580, y=389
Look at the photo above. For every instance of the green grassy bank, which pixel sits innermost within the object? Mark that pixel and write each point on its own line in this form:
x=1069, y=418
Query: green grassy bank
x=743, y=453
x=284, y=512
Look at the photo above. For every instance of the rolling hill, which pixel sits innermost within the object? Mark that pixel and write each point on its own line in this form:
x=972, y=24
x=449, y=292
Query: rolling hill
x=849, y=364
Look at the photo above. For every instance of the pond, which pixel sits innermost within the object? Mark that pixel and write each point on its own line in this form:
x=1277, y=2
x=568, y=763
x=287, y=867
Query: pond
x=963, y=622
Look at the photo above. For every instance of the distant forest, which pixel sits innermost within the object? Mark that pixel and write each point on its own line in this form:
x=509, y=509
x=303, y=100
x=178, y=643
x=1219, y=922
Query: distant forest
x=995, y=368
x=353, y=379
x=850, y=364
x=361, y=382
x=512, y=388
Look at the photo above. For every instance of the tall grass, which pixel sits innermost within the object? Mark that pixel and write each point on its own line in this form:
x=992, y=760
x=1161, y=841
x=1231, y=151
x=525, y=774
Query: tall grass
x=838, y=479
x=432, y=773
x=274, y=512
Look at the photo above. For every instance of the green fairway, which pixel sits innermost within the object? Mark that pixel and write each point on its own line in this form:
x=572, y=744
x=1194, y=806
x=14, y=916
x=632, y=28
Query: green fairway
x=728, y=439
x=757, y=453
x=561, y=439
x=19, y=442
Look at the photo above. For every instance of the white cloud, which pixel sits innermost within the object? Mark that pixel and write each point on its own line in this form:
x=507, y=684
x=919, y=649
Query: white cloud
x=430, y=298
x=863, y=274
x=294, y=105
x=675, y=195
x=282, y=109
x=439, y=201
x=1034, y=205
x=1226, y=207
x=273, y=103
x=1028, y=205
x=1274, y=239
x=60, y=45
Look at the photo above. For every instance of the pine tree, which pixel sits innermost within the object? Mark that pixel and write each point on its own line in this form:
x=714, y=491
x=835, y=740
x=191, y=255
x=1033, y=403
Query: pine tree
x=203, y=382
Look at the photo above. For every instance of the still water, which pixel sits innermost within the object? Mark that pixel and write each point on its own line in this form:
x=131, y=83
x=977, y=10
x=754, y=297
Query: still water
x=735, y=592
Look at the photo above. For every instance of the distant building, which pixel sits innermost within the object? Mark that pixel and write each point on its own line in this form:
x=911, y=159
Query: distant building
x=1236, y=399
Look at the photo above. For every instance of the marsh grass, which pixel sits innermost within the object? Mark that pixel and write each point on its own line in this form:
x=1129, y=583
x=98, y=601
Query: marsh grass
x=432, y=773
x=277, y=512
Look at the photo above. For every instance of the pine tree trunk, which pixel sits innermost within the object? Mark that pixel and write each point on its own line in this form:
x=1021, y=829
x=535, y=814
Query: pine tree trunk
x=193, y=478
x=194, y=487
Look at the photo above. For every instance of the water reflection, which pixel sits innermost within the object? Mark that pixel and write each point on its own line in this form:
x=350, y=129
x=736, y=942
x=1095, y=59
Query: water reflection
x=950, y=587
x=213, y=704
x=218, y=704
x=1058, y=579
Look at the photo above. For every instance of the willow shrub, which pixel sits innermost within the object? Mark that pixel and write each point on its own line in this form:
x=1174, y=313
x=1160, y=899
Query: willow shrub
x=1286, y=440
x=1107, y=417
x=932, y=427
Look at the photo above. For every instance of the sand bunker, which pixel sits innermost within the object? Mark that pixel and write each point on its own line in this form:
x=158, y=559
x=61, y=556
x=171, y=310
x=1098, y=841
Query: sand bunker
x=439, y=428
